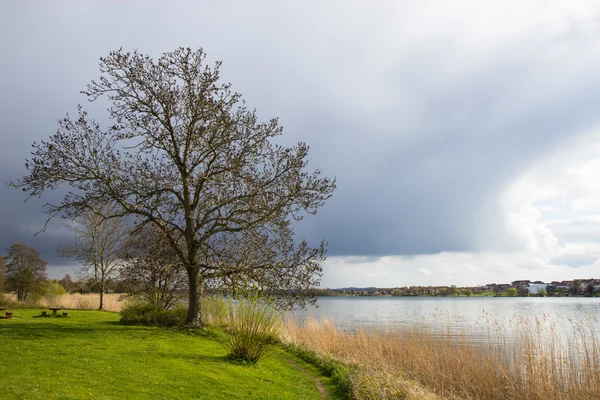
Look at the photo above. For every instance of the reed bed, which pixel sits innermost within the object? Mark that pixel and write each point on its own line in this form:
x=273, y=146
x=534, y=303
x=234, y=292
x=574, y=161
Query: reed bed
x=76, y=301
x=112, y=302
x=540, y=359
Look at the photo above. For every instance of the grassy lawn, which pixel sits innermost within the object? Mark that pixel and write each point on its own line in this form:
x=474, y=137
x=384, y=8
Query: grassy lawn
x=90, y=355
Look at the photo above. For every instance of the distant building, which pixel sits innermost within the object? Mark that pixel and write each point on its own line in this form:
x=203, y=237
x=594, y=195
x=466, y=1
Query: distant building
x=534, y=288
x=565, y=285
x=498, y=287
x=518, y=284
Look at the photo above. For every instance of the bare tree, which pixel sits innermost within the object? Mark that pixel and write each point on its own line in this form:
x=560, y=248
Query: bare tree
x=185, y=154
x=68, y=283
x=99, y=245
x=152, y=267
x=25, y=270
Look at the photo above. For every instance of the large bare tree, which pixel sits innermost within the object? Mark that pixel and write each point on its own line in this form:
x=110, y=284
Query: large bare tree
x=185, y=153
x=25, y=270
x=99, y=245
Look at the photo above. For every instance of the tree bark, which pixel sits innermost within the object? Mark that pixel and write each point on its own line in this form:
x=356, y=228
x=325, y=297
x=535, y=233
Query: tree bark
x=101, y=299
x=194, y=316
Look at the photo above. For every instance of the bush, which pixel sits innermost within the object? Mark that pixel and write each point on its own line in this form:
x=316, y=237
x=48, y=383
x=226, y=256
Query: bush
x=254, y=325
x=51, y=293
x=139, y=313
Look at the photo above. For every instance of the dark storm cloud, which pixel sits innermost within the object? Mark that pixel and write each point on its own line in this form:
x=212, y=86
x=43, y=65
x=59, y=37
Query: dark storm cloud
x=422, y=131
x=21, y=221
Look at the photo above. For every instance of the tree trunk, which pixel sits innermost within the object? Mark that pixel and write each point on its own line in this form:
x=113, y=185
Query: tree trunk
x=194, y=316
x=101, y=298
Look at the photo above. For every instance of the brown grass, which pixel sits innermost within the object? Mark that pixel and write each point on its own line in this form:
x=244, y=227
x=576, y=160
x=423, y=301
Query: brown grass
x=76, y=301
x=540, y=363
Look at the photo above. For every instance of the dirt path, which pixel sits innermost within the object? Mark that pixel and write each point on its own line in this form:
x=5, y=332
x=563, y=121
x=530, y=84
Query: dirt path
x=300, y=368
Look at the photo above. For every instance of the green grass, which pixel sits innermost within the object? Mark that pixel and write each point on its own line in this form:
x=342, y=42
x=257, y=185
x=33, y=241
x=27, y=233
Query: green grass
x=483, y=294
x=90, y=355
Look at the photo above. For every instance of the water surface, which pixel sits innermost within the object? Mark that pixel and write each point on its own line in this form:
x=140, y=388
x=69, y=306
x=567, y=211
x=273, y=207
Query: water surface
x=474, y=317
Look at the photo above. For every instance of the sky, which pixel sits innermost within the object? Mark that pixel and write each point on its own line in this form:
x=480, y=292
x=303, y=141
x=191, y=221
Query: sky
x=464, y=135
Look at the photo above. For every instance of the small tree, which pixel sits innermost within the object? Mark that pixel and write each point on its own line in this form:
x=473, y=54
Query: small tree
x=512, y=292
x=522, y=290
x=444, y=292
x=99, y=245
x=68, y=283
x=25, y=270
x=590, y=289
x=576, y=286
x=542, y=292
x=468, y=292
x=152, y=267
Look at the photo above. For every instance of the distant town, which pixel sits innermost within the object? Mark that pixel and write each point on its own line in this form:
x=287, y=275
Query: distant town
x=576, y=287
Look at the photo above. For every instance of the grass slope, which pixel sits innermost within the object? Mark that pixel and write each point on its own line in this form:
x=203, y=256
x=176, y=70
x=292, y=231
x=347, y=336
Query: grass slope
x=90, y=355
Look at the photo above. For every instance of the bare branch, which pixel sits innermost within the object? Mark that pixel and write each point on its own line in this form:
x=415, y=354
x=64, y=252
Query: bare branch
x=186, y=155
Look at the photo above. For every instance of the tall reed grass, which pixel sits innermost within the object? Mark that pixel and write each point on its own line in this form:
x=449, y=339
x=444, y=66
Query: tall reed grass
x=541, y=361
x=253, y=326
x=75, y=301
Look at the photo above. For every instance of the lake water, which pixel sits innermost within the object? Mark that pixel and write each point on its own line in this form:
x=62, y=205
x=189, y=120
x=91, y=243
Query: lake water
x=474, y=317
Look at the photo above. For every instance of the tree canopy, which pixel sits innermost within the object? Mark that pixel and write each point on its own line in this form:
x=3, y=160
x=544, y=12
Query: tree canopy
x=25, y=270
x=184, y=153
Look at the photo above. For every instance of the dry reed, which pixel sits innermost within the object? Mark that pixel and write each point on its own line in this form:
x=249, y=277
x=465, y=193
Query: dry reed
x=76, y=301
x=539, y=362
x=112, y=302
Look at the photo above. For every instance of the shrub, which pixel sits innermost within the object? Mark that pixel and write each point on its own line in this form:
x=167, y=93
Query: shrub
x=253, y=326
x=52, y=292
x=139, y=313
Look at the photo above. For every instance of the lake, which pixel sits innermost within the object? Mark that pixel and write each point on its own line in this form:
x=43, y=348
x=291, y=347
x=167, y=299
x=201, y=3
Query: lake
x=473, y=317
